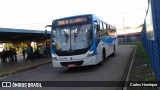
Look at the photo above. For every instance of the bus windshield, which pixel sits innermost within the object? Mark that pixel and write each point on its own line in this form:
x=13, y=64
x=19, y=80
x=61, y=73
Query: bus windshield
x=72, y=38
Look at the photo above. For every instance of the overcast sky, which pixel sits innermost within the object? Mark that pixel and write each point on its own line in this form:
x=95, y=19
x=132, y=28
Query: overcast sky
x=35, y=14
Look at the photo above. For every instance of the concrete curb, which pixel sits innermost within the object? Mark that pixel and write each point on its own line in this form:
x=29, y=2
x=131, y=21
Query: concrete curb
x=128, y=73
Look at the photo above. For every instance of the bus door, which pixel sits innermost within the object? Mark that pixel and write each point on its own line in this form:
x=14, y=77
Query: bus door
x=98, y=46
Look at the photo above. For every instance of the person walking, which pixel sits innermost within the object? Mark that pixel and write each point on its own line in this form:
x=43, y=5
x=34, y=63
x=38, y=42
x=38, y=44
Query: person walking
x=29, y=51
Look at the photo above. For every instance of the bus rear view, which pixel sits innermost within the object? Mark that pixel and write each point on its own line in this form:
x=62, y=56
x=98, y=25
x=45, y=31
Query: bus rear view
x=73, y=41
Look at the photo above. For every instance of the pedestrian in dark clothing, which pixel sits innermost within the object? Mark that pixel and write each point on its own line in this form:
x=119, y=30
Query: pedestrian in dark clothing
x=11, y=54
x=29, y=51
x=7, y=54
x=3, y=56
x=15, y=54
x=23, y=52
x=32, y=54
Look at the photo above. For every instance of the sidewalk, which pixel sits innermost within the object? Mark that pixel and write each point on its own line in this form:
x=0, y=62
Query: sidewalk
x=7, y=68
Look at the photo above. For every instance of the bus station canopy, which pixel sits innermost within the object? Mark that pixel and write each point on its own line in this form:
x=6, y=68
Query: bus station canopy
x=22, y=35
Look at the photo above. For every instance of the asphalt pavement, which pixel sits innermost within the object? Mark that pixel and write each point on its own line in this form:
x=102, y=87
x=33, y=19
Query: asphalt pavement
x=113, y=69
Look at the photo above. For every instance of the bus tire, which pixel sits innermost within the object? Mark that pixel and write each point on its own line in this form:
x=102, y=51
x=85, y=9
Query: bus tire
x=100, y=63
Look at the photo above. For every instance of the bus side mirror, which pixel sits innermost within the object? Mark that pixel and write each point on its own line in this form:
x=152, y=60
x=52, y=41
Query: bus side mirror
x=98, y=27
x=45, y=33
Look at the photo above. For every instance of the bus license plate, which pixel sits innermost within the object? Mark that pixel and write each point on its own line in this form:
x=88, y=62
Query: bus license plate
x=72, y=65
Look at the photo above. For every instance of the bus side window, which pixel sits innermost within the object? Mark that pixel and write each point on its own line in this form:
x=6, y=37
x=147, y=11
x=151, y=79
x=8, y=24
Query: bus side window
x=104, y=31
x=101, y=26
x=101, y=29
x=109, y=30
x=104, y=26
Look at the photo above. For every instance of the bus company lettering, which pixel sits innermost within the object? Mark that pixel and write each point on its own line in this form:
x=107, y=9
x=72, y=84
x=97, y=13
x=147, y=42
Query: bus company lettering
x=34, y=85
x=26, y=84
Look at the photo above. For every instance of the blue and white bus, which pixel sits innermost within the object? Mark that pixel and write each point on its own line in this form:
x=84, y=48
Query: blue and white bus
x=81, y=40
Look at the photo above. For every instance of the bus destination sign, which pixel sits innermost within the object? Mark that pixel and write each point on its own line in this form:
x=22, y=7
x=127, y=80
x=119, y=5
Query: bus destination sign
x=71, y=21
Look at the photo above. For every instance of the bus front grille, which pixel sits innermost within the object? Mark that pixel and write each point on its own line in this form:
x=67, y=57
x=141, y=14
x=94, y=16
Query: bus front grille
x=74, y=62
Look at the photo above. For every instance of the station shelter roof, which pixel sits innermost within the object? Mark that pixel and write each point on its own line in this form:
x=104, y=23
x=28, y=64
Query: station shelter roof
x=22, y=35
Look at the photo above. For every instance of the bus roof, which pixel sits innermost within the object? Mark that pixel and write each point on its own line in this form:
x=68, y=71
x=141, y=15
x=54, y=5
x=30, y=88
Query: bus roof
x=75, y=16
x=94, y=16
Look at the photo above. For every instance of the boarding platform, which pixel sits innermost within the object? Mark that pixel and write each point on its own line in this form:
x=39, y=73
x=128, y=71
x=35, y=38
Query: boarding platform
x=10, y=67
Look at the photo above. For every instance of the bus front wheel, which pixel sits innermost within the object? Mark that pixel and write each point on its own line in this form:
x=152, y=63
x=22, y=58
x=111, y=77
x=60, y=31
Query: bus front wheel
x=103, y=58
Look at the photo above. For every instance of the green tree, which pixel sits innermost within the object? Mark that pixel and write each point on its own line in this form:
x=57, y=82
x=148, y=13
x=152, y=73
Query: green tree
x=8, y=45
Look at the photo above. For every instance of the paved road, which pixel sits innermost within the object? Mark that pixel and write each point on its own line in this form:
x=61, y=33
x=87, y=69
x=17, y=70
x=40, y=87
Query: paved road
x=113, y=69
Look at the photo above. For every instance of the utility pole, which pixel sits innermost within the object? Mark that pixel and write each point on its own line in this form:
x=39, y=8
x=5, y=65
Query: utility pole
x=124, y=29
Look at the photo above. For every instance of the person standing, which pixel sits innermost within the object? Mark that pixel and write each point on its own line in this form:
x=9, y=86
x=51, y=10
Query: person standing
x=32, y=55
x=23, y=52
x=11, y=54
x=3, y=55
x=15, y=54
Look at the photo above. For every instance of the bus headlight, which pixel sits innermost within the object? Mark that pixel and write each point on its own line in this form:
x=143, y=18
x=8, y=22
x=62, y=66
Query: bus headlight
x=89, y=55
x=54, y=57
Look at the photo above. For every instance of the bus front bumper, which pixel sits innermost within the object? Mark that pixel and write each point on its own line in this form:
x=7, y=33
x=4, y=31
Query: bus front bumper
x=75, y=63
